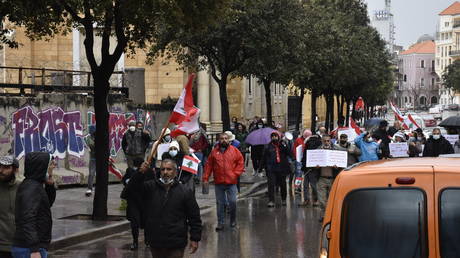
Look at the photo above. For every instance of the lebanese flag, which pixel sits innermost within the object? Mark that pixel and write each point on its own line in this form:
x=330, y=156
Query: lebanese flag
x=353, y=125
x=184, y=109
x=408, y=122
x=114, y=170
x=190, y=164
x=188, y=127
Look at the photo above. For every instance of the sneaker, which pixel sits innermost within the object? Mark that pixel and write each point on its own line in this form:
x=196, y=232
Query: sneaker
x=283, y=203
x=88, y=192
x=233, y=224
x=220, y=227
x=271, y=204
x=261, y=175
x=315, y=204
x=304, y=204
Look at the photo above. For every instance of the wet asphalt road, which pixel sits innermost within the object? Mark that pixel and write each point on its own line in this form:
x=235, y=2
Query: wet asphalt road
x=261, y=232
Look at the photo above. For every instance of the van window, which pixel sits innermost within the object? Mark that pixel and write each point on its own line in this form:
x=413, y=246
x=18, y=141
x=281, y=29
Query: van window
x=384, y=222
x=450, y=223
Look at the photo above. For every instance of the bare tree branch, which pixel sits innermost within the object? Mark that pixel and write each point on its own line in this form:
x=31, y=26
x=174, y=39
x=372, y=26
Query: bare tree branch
x=119, y=32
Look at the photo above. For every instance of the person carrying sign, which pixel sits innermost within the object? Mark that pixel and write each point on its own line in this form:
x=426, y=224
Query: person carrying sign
x=326, y=175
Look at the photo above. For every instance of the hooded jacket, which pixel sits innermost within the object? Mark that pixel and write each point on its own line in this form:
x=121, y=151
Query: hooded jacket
x=135, y=143
x=33, y=204
x=7, y=200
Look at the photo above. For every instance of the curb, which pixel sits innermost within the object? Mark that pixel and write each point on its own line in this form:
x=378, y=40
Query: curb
x=122, y=226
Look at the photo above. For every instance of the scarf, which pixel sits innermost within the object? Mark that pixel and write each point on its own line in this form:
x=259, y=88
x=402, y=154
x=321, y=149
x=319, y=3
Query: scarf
x=277, y=150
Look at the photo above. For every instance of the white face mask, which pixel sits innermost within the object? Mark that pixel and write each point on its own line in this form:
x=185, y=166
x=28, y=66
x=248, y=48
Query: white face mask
x=436, y=136
x=370, y=139
x=166, y=181
x=132, y=128
x=173, y=153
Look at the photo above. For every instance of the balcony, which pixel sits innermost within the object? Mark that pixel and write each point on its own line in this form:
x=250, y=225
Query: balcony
x=454, y=53
x=456, y=24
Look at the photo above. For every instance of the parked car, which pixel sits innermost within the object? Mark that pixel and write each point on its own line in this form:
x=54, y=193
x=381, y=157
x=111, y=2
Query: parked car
x=394, y=208
x=453, y=107
x=430, y=122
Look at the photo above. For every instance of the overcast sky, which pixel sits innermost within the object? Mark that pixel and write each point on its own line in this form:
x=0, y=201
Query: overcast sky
x=412, y=18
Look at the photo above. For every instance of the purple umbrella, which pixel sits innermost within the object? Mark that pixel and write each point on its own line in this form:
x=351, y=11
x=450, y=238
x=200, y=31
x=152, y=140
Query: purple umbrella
x=260, y=136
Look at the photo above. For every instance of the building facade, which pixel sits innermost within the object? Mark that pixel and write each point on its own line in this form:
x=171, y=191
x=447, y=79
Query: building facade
x=447, y=48
x=418, y=87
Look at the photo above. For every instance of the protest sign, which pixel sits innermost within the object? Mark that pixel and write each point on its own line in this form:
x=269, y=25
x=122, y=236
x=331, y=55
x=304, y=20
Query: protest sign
x=162, y=148
x=326, y=158
x=399, y=149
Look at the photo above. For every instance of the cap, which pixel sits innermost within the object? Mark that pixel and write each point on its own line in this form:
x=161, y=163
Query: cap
x=167, y=132
x=9, y=161
x=231, y=136
x=132, y=123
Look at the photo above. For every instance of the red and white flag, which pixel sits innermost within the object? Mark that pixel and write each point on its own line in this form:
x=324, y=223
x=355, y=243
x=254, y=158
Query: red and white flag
x=408, y=122
x=188, y=127
x=184, y=108
x=190, y=164
x=353, y=125
x=114, y=170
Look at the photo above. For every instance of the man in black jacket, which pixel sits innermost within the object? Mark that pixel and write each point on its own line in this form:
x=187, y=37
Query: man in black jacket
x=34, y=198
x=276, y=164
x=382, y=134
x=171, y=212
x=135, y=142
x=437, y=145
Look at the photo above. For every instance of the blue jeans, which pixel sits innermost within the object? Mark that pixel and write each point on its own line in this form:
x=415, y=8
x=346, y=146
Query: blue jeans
x=19, y=252
x=201, y=157
x=225, y=193
x=298, y=169
x=91, y=173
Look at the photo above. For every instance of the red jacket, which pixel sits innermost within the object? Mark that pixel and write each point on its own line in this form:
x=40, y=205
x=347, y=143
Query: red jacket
x=226, y=167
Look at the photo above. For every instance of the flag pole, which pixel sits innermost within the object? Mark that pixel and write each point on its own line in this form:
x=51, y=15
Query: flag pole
x=155, y=146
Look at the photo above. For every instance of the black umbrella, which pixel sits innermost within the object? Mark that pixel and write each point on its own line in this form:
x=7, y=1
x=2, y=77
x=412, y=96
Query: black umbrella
x=372, y=123
x=452, y=122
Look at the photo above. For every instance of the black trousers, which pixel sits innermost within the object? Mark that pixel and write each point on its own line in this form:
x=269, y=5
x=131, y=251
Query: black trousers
x=276, y=179
x=4, y=254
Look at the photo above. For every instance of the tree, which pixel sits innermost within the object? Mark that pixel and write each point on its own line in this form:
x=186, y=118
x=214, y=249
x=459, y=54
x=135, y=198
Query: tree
x=274, y=27
x=221, y=48
x=451, y=76
x=134, y=25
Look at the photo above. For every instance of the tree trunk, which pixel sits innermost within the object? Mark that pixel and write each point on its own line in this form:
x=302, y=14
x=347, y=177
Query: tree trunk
x=328, y=111
x=299, y=112
x=342, y=103
x=268, y=101
x=339, y=106
x=101, y=91
x=331, y=114
x=225, y=112
x=347, y=116
x=313, y=110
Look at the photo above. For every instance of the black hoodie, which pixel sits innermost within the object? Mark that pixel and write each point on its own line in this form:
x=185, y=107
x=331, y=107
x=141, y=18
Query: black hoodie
x=33, y=204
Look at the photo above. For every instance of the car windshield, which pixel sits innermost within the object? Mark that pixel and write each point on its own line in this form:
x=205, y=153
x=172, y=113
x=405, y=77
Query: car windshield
x=382, y=223
x=450, y=223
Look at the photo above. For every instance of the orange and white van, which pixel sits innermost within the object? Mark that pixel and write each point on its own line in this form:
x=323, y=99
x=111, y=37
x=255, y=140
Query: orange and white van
x=397, y=208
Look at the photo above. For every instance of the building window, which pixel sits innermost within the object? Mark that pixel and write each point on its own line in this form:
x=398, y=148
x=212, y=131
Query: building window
x=250, y=85
x=432, y=81
x=422, y=82
x=432, y=65
x=450, y=61
x=405, y=77
x=405, y=99
x=422, y=63
x=410, y=99
x=446, y=24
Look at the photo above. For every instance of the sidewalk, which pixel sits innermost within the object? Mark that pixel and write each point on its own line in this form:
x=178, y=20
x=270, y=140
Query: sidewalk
x=73, y=202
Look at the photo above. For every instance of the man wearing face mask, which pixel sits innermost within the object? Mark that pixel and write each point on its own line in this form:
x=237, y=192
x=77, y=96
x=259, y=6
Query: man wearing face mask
x=171, y=211
x=226, y=164
x=437, y=145
x=135, y=142
x=351, y=149
x=9, y=184
x=34, y=198
x=368, y=146
x=175, y=153
x=276, y=164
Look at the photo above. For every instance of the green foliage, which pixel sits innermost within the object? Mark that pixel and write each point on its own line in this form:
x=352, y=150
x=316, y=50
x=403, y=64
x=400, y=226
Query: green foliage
x=451, y=77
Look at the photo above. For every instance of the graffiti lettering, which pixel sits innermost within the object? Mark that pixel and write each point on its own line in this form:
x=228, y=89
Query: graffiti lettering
x=51, y=130
x=77, y=162
x=117, y=127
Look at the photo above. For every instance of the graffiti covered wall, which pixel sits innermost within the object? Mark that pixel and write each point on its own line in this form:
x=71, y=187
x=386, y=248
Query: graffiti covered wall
x=58, y=123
